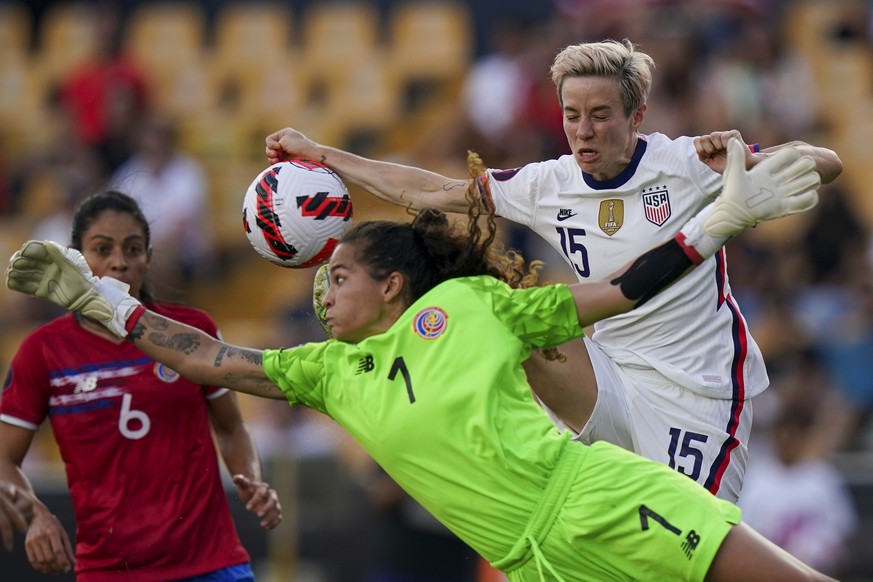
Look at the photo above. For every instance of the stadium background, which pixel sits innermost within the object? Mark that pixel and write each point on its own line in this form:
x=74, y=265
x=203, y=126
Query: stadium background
x=389, y=79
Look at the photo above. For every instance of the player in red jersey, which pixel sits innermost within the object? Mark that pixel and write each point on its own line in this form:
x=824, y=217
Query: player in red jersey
x=140, y=459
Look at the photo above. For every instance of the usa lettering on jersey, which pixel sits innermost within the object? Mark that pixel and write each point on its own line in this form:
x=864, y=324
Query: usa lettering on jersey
x=656, y=201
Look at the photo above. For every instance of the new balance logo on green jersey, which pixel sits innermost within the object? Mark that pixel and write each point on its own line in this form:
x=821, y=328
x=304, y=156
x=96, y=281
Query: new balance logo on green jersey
x=365, y=364
x=690, y=544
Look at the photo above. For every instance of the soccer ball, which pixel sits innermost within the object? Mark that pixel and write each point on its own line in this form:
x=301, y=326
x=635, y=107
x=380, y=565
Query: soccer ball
x=295, y=212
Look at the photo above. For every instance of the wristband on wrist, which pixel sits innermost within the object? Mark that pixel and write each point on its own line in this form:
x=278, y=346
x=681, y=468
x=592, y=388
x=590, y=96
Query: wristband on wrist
x=131, y=322
x=755, y=148
x=688, y=248
x=694, y=240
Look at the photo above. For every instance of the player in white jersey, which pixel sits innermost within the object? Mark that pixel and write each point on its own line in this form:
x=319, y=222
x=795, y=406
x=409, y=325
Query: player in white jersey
x=673, y=380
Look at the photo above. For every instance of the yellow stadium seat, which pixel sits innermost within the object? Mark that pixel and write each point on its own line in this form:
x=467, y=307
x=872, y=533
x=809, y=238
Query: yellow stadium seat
x=22, y=88
x=431, y=40
x=338, y=35
x=253, y=35
x=69, y=37
x=15, y=26
x=166, y=37
x=369, y=97
x=256, y=63
x=168, y=41
x=24, y=105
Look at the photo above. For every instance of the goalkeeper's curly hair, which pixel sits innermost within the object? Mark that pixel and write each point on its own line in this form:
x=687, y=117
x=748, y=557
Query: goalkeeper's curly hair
x=431, y=250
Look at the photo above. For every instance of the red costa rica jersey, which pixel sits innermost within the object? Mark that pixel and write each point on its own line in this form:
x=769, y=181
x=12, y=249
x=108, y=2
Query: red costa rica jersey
x=136, y=443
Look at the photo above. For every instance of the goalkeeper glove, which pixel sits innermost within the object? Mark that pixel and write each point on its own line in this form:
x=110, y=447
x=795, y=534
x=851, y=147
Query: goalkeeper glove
x=319, y=289
x=46, y=269
x=783, y=183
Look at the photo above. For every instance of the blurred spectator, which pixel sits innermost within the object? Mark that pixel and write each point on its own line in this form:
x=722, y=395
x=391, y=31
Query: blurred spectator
x=755, y=83
x=796, y=498
x=835, y=309
x=846, y=345
x=540, y=118
x=835, y=241
x=105, y=97
x=673, y=97
x=72, y=174
x=172, y=189
x=491, y=97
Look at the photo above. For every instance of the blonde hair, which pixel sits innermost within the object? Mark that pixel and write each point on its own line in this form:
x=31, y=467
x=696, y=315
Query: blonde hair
x=631, y=69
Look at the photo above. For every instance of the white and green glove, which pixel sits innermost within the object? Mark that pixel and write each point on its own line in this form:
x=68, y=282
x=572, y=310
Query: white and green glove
x=48, y=270
x=319, y=289
x=783, y=183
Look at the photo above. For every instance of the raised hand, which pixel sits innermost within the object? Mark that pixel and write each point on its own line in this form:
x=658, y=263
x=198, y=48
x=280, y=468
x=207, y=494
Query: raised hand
x=46, y=269
x=782, y=184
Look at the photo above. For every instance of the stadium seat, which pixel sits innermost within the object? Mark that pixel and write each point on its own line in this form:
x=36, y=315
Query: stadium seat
x=258, y=69
x=21, y=91
x=845, y=77
x=430, y=40
x=68, y=37
x=367, y=98
x=15, y=23
x=24, y=99
x=253, y=36
x=166, y=37
x=230, y=176
x=338, y=35
x=167, y=40
x=810, y=23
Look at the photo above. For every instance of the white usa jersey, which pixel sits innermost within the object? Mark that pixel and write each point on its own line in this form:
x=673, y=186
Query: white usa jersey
x=692, y=332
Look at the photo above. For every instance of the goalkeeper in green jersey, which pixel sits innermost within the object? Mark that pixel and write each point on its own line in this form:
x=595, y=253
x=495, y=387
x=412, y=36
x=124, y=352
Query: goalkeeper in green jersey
x=425, y=371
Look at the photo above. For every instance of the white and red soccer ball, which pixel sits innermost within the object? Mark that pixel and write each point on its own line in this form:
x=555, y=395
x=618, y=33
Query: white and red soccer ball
x=295, y=212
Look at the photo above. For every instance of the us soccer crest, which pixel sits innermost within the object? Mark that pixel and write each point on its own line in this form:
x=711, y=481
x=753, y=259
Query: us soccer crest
x=656, y=201
x=611, y=216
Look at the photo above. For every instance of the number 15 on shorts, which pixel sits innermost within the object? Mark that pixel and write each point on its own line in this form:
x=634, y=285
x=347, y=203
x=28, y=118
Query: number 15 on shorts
x=684, y=452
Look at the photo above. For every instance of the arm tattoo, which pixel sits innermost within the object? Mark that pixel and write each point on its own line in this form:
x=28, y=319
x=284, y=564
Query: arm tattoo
x=262, y=387
x=230, y=351
x=157, y=322
x=187, y=343
x=453, y=185
x=137, y=332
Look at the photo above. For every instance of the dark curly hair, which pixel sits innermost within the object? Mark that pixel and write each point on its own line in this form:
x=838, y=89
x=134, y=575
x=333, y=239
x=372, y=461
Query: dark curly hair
x=431, y=250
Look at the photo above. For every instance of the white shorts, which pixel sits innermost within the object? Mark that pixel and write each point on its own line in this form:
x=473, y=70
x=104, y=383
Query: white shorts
x=642, y=411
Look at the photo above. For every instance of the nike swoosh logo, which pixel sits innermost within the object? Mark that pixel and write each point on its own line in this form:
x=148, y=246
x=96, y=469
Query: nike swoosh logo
x=562, y=218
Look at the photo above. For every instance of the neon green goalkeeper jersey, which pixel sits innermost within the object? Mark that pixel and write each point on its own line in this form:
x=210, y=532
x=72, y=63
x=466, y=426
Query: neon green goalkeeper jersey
x=441, y=401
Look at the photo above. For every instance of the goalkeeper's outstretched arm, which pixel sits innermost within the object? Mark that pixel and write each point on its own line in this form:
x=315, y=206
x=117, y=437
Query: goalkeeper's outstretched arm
x=62, y=275
x=783, y=184
x=200, y=357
